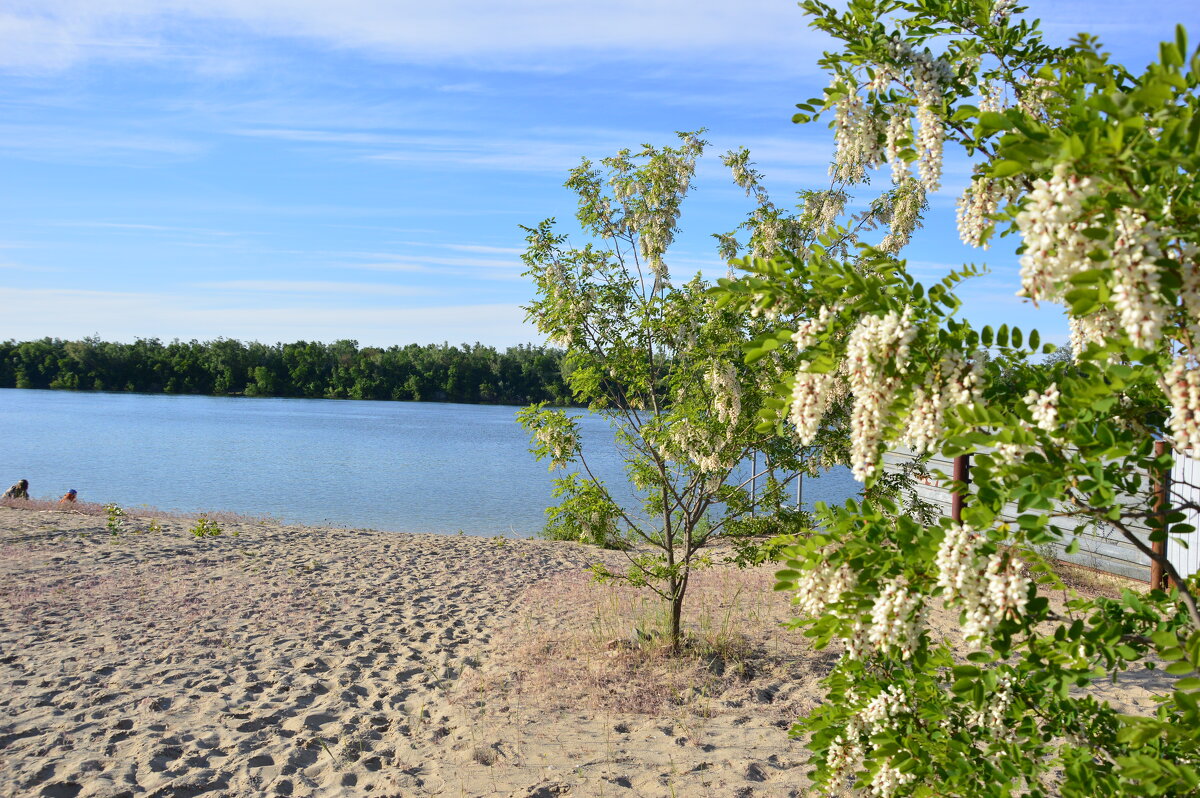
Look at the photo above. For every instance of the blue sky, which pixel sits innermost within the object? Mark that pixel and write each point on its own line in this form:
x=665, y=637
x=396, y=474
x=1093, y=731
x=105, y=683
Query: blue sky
x=279, y=170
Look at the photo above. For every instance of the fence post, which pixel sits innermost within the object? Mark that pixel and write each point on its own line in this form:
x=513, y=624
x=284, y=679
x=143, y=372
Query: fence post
x=962, y=473
x=1162, y=494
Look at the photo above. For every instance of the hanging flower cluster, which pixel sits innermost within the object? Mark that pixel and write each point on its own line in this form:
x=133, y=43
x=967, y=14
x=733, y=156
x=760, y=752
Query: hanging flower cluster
x=1044, y=407
x=953, y=382
x=696, y=446
x=856, y=137
x=845, y=755
x=1183, y=390
x=726, y=391
x=823, y=586
x=812, y=394
x=981, y=199
x=558, y=436
x=987, y=590
x=1135, y=292
x=1095, y=328
x=875, y=344
x=897, y=618
x=899, y=132
x=808, y=329
x=908, y=198
x=1055, y=245
x=888, y=780
x=992, y=716
x=821, y=210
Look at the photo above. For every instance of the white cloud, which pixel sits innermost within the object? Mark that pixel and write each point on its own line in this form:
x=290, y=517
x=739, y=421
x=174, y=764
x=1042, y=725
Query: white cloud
x=57, y=33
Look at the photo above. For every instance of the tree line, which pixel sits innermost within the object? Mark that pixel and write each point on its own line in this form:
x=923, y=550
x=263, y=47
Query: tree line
x=340, y=370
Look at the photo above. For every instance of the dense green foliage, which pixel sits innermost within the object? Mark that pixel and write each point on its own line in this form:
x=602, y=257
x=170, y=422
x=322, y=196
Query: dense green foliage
x=341, y=370
x=1088, y=171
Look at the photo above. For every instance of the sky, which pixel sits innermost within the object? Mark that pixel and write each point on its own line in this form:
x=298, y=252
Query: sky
x=284, y=170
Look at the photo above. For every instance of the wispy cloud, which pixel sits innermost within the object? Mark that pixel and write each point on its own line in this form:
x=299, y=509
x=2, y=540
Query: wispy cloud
x=533, y=152
x=79, y=145
x=536, y=34
x=319, y=287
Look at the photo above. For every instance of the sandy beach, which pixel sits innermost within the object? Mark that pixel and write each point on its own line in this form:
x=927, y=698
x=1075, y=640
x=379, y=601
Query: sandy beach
x=275, y=660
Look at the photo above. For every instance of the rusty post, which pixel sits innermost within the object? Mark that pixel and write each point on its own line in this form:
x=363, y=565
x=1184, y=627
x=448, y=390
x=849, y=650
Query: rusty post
x=962, y=474
x=1162, y=492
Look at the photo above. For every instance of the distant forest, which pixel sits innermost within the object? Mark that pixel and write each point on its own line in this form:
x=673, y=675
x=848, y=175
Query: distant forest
x=340, y=370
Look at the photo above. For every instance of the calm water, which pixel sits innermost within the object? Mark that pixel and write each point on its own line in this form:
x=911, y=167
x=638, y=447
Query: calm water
x=406, y=466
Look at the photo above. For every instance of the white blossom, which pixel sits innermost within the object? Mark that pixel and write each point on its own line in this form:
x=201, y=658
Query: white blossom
x=1097, y=327
x=1135, y=289
x=727, y=392
x=899, y=130
x=987, y=590
x=908, y=199
x=808, y=329
x=930, y=138
x=856, y=137
x=1055, y=246
x=812, y=393
x=887, y=780
x=875, y=343
x=823, y=586
x=980, y=201
x=897, y=618
x=1183, y=390
x=1044, y=407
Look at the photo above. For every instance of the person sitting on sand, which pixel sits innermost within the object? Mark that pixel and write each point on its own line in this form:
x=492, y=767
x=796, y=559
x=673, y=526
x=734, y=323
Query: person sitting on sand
x=18, y=491
x=69, y=498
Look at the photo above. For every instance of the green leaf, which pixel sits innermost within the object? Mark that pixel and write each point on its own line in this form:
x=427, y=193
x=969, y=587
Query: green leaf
x=1035, y=340
x=1007, y=168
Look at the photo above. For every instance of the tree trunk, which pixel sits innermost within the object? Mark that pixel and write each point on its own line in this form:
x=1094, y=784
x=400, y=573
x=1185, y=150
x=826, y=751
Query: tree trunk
x=676, y=617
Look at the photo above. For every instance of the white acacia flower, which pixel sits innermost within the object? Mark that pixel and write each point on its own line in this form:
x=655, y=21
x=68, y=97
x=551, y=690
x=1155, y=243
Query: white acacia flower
x=1183, y=390
x=1050, y=224
x=897, y=618
x=987, y=590
x=1044, y=407
x=877, y=344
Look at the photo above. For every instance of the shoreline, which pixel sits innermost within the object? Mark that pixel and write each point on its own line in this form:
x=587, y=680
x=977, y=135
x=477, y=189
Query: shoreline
x=320, y=661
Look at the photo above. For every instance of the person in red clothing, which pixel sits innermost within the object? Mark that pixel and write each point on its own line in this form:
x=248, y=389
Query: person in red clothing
x=69, y=498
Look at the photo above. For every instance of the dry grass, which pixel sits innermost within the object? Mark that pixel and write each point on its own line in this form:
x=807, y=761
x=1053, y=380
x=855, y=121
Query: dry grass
x=585, y=645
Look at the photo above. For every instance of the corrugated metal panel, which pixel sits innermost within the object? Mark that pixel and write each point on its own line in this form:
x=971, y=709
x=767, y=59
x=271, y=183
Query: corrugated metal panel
x=1184, y=551
x=1102, y=548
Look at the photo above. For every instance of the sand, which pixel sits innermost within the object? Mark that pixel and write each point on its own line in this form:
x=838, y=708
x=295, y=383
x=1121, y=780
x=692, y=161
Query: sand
x=275, y=660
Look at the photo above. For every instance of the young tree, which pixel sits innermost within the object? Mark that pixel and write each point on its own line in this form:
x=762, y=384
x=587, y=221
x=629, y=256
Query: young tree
x=663, y=363
x=1093, y=169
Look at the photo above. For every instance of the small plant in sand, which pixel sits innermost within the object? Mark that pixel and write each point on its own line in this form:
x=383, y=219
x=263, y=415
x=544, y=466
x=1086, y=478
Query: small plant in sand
x=154, y=527
x=115, y=519
x=205, y=527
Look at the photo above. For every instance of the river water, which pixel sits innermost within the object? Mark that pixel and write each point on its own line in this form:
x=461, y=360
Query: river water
x=404, y=466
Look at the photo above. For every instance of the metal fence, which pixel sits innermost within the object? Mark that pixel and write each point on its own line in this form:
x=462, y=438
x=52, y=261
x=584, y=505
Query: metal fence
x=1185, y=488
x=1101, y=547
